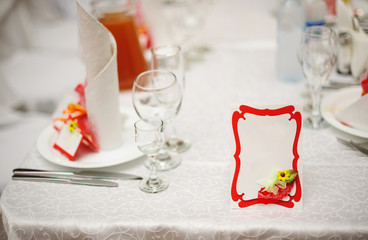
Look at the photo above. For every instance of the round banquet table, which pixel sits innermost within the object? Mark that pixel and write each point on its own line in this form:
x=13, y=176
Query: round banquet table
x=239, y=69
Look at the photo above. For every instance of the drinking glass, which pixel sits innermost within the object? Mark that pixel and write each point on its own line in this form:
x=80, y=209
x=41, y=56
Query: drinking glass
x=157, y=94
x=149, y=138
x=318, y=56
x=170, y=58
x=185, y=20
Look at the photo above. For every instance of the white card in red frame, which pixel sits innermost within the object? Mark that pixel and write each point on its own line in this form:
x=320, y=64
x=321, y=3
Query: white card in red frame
x=267, y=168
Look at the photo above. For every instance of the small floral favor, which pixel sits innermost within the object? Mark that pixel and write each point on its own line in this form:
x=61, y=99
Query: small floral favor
x=69, y=139
x=279, y=186
x=74, y=128
x=266, y=163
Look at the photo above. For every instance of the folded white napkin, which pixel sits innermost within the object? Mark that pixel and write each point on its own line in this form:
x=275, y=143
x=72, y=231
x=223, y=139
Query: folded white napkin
x=359, y=58
x=356, y=114
x=102, y=91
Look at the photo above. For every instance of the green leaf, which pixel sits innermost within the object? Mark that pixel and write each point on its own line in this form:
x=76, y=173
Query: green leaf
x=293, y=175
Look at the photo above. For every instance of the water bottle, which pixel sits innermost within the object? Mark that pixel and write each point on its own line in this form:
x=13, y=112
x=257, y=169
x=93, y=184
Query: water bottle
x=291, y=20
x=316, y=11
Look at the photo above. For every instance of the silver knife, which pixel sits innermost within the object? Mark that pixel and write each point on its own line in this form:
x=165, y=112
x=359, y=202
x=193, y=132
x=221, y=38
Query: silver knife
x=79, y=174
x=89, y=182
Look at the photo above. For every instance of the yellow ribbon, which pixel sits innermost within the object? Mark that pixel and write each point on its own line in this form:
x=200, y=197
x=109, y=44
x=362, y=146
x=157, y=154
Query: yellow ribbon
x=73, y=111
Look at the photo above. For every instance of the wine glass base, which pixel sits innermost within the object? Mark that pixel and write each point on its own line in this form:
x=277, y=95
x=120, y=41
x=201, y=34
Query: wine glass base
x=178, y=145
x=320, y=124
x=196, y=53
x=154, y=187
x=166, y=162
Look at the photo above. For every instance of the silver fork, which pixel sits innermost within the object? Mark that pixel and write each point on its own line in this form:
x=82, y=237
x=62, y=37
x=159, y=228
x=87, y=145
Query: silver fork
x=354, y=145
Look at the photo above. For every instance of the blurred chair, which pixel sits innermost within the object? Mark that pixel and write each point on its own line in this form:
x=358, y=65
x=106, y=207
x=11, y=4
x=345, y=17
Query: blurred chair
x=2, y=230
x=15, y=27
x=16, y=141
x=26, y=61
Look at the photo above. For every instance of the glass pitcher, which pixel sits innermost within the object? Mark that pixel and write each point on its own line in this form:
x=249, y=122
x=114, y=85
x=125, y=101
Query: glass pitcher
x=119, y=17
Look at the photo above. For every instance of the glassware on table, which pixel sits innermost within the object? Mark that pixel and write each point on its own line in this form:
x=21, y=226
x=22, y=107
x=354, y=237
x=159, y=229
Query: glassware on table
x=170, y=58
x=185, y=20
x=157, y=94
x=318, y=55
x=119, y=17
x=149, y=138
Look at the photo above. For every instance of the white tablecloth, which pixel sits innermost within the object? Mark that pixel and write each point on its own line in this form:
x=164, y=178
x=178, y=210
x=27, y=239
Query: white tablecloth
x=197, y=203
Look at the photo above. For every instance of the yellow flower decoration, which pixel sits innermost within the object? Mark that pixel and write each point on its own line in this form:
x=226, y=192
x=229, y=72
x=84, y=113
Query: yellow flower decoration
x=284, y=176
x=279, y=180
x=72, y=126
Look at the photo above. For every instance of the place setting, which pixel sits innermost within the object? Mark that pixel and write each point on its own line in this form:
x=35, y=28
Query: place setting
x=91, y=131
x=334, y=62
x=345, y=109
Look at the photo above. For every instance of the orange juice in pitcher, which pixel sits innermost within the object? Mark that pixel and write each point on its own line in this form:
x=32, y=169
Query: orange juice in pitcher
x=118, y=17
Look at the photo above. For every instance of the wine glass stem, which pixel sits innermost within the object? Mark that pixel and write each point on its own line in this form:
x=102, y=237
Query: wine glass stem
x=170, y=131
x=153, y=177
x=316, y=101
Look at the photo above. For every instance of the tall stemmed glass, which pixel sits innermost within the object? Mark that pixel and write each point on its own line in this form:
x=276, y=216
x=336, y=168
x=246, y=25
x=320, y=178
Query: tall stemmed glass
x=185, y=20
x=170, y=58
x=149, y=138
x=318, y=55
x=157, y=94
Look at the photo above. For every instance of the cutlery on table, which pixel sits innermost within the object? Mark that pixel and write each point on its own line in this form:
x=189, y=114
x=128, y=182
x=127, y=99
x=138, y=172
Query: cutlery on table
x=89, y=182
x=77, y=174
x=338, y=85
x=354, y=145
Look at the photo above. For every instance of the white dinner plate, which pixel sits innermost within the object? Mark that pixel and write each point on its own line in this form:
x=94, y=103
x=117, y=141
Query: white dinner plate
x=86, y=158
x=336, y=102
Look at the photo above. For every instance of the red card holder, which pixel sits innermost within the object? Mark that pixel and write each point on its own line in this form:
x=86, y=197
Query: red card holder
x=295, y=118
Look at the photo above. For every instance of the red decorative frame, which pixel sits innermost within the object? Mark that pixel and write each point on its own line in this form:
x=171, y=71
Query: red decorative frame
x=266, y=112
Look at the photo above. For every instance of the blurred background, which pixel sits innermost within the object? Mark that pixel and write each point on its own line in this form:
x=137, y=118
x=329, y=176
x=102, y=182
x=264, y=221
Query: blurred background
x=38, y=63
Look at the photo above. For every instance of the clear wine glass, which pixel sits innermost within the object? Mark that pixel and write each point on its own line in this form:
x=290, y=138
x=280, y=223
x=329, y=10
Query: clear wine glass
x=318, y=56
x=170, y=58
x=157, y=94
x=149, y=138
x=185, y=20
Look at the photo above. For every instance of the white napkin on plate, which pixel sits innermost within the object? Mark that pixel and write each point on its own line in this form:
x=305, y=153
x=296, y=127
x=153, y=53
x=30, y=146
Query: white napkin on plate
x=359, y=58
x=356, y=114
x=102, y=91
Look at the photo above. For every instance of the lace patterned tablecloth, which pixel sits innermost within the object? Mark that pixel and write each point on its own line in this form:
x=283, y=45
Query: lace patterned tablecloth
x=197, y=203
